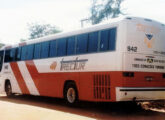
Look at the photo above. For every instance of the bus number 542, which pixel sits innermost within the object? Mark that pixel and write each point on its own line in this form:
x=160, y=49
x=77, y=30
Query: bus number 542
x=131, y=48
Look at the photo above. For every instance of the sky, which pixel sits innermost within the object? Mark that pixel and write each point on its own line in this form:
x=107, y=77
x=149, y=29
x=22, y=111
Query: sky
x=15, y=15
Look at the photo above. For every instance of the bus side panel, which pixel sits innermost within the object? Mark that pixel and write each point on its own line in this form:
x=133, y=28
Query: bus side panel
x=92, y=86
x=99, y=86
x=50, y=84
x=86, y=86
x=53, y=84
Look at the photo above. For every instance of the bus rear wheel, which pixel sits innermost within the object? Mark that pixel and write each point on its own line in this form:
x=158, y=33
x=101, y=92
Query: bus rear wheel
x=8, y=89
x=71, y=94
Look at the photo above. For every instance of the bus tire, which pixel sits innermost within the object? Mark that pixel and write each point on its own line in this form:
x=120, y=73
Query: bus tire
x=71, y=94
x=8, y=89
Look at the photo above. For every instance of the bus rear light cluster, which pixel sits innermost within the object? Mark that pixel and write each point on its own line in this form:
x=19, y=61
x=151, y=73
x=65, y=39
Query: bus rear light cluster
x=163, y=75
x=128, y=74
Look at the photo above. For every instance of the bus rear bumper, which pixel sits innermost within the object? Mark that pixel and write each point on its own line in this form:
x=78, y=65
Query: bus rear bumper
x=140, y=93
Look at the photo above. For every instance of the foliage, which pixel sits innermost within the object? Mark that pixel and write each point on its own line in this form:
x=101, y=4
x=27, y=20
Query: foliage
x=104, y=10
x=22, y=39
x=39, y=30
x=1, y=45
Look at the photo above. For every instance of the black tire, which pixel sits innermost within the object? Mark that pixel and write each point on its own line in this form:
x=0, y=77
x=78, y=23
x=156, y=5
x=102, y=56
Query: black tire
x=71, y=94
x=8, y=89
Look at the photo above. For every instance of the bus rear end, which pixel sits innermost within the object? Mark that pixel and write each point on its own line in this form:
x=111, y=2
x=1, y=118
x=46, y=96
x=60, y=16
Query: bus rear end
x=143, y=61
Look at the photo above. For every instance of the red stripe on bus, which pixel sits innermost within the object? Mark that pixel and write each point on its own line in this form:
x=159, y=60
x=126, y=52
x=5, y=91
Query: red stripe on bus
x=34, y=74
x=19, y=78
x=46, y=83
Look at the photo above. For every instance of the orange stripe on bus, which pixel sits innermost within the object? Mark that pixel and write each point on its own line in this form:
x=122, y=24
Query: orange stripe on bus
x=19, y=78
x=34, y=74
x=46, y=83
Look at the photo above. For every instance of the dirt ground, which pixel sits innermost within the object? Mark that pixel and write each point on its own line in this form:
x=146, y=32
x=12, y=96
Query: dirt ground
x=44, y=108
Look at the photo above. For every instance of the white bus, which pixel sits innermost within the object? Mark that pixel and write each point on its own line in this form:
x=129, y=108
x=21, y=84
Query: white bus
x=119, y=61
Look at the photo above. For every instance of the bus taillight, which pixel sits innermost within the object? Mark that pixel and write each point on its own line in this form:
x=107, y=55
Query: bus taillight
x=128, y=74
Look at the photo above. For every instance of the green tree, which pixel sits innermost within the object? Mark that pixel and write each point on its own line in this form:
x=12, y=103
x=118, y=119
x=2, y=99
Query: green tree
x=104, y=10
x=39, y=30
x=1, y=45
x=22, y=40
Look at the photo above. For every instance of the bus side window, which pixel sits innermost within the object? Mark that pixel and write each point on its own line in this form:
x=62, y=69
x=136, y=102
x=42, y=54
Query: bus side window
x=12, y=54
x=53, y=49
x=24, y=53
x=7, y=55
x=61, y=47
x=30, y=49
x=71, y=46
x=82, y=44
x=112, y=39
x=93, y=42
x=44, y=49
x=104, y=40
x=1, y=59
x=18, y=54
x=108, y=40
x=37, y=51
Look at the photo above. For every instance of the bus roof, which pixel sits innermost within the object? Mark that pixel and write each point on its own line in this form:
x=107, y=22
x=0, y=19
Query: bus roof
x=106, y=24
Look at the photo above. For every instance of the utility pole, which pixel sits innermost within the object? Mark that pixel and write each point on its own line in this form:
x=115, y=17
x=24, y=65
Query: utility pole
x=84, y=20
